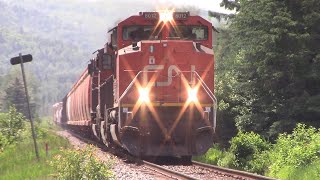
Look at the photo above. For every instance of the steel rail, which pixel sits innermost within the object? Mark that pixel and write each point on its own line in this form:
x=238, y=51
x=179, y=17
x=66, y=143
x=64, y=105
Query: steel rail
x=167, y=172
x=233, y=171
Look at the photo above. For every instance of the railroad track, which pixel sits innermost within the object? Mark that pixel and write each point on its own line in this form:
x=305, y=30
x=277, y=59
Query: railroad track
x=231, y=172
x=194, y=170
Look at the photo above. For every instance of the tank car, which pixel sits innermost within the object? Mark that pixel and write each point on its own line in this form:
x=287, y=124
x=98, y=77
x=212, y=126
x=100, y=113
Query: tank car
x=150, y=90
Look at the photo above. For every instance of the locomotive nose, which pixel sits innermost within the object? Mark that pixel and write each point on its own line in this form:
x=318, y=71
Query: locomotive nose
x=166, y=114
x=169, y=134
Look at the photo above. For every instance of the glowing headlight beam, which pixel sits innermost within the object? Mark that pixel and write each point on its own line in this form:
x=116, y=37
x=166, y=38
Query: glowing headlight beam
x=144, y=95
x=192, y=95
x=166, y=15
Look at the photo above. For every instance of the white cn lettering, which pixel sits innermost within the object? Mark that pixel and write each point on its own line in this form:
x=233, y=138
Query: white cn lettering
x=170, y=73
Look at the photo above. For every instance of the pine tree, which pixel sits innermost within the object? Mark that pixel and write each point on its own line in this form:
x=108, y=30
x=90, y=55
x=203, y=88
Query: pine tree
x=15, y=95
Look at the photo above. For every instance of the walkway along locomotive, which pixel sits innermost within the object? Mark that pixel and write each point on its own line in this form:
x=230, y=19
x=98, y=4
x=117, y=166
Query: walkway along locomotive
x=150, y=89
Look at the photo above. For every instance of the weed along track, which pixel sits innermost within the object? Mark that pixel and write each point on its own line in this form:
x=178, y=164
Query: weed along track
x=126, y=166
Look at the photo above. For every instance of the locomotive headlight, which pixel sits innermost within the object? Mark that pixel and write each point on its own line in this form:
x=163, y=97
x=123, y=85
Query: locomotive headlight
x=166, y=15
x=144, y=95
x=192, y=95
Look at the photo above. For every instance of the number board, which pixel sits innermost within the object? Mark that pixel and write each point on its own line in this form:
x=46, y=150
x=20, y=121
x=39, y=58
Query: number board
x=151, y=15
x=181, y=15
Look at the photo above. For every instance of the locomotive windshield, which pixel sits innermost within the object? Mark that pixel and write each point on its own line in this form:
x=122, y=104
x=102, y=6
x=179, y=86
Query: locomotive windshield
x=137, y=33
x=195, y=32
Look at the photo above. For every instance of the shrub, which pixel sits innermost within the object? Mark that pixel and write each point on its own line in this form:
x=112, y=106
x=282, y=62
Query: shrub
x=80, y=164
x=260, y=162
x=41, y=132
x=228, y=160
x=11, y=125
x=296, y=150
x=212, y=156
x=312, y=171
x=3, y=142
x=245, y=147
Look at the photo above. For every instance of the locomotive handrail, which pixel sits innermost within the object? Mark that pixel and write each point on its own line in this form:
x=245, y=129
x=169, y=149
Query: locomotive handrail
x=105, y=82
x=203, y=84
x=207, y=89
x=211, y=95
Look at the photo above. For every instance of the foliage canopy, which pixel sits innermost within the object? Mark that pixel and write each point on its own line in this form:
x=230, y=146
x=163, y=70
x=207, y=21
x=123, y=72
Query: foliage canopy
x=268, y=65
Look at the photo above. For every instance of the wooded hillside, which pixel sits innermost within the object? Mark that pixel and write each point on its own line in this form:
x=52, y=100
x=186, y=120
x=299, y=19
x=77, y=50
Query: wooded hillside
x=61, y=36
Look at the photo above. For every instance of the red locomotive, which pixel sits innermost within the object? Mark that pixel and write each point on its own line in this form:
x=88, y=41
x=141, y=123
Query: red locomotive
x=150, y=89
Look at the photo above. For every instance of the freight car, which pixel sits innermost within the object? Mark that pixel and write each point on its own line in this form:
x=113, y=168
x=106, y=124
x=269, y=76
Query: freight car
x=150, y=89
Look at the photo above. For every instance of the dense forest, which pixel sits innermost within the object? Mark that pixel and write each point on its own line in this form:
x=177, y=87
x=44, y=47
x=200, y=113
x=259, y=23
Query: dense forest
x=61, y=36
x=268, y=66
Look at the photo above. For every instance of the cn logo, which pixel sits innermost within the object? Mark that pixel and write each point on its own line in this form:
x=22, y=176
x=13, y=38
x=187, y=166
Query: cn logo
x=171, y=70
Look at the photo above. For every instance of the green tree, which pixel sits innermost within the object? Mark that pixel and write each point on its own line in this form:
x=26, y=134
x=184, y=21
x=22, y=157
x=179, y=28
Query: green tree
x=14, y=93
x=225, y=83
x=16, y=96
x=275, y=55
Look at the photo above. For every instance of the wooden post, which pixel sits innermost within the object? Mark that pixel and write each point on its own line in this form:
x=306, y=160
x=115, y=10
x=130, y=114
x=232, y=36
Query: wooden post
x=29, y=111
x=47, y=149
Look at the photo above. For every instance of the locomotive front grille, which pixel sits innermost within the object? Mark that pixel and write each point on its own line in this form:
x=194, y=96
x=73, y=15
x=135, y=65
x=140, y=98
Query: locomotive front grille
x=166, y=136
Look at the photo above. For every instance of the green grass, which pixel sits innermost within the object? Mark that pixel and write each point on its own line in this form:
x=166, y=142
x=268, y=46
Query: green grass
x=19, y=161
x=47, y=123
x=211, y=157
x=310, y=172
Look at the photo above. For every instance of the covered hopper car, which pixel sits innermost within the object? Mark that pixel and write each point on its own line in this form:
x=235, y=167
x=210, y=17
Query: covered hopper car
x=150, y=90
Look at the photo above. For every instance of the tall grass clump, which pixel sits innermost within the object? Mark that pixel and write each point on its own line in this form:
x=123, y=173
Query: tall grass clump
x=295, y=153
x=17, y=154
x=311, y=171
x=80, y=164
x=18, y=161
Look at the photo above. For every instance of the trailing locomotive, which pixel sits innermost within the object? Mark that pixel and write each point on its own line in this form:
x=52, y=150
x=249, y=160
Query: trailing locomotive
x=150, y=89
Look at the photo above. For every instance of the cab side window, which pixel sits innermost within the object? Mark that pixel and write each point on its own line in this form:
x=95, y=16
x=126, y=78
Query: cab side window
x=114, y=39
x=107, y=62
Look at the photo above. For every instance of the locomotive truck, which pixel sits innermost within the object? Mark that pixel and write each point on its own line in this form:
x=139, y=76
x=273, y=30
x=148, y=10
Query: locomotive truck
x=150, y=89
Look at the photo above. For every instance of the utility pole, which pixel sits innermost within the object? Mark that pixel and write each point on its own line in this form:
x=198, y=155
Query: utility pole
x=20, y=60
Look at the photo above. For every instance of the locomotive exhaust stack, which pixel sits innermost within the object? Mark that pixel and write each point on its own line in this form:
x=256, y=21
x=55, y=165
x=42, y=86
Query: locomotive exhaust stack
x=150, y=90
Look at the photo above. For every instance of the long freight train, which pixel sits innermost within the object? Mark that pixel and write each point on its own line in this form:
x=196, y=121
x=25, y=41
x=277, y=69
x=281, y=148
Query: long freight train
x=150, y=89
